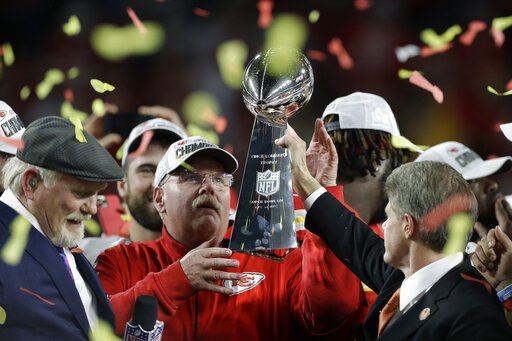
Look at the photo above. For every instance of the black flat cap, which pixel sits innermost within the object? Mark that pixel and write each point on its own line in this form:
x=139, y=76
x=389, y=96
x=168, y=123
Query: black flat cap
x=50, y=143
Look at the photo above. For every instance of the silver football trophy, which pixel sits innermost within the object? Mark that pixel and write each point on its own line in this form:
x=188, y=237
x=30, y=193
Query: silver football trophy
x=276, y=85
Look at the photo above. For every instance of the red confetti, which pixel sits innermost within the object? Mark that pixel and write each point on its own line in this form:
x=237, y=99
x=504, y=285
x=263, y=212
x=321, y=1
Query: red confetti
x=498, y=36
x=144, y=144
x=454, y=204
x=36, y=295
x=335, y=47
x=68, y=95
x=362, y=5
x=509, y=85
x=201, y=12
x=316, y=55
x=420, y=81
x=265, y=17
x=474, y=27
x=230, y=149
x=220, y=125
x=427, y=51
x=18, y=143
x=136, y=21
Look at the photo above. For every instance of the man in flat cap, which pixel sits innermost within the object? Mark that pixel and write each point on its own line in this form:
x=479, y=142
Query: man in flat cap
x=52, y=184
x=11, y=127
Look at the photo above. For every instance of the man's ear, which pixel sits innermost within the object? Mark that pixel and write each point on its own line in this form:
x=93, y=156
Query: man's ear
x=408, y=225
x=122, y=189
x=30, y=181
x=158, y=199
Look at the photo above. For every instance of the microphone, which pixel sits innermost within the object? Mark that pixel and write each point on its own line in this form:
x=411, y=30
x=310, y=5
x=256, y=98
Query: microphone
x=144, y=325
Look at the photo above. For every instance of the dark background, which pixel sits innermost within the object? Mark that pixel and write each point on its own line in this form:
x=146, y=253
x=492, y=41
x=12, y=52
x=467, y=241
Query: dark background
x=187, y=62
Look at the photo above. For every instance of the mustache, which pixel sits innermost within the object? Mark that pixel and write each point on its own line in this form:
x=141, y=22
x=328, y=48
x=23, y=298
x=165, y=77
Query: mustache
x=206, y=201
x=79, y=217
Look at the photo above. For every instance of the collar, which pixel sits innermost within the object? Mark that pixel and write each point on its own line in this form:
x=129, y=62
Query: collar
x=422, y=280
x=10, y=199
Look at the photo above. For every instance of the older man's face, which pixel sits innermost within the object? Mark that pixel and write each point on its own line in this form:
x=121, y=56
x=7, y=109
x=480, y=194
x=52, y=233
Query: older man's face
x=3, y=159
x=62, y=209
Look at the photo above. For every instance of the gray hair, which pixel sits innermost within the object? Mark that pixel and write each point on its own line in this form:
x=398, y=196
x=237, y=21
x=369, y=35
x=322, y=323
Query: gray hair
x=14, y=169
x=431, y=192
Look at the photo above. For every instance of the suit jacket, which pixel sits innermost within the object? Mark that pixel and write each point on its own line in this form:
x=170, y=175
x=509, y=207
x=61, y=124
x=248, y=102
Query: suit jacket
x=460, y=306
x=39, y=297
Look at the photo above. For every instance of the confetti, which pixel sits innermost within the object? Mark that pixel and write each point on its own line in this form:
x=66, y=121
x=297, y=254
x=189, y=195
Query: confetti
x=68, y=95
x=507, y=130
x=67, y=111
x=509, y=85
x=502, y=23
x=493, y=91
x=435, y=41
x=201, y=12
x=100, y=86
x=427, y=51
x=401, y=142
x=336, y=48
x=420, y=81
x=459, y=225
x=8, y=54
x=98, y=107
x=498, y=36
x=92, y=227
x=119, y=153
x=404, y=74
x=474, y=27
x=143, y=146
x=265, y=13
x=362, y=5
x=314, y=15
x=73, y=72
x=3, y=315
x=136, y=21
x=25, y=92
x=102, y=332
x=288, y=30
x=231, y=58
x=72, y=27
x=13, y=250
x=18, y=143
x=79, y=130
x=316, y=55
x=404, y=53
x=220, y=125
x=52, y=78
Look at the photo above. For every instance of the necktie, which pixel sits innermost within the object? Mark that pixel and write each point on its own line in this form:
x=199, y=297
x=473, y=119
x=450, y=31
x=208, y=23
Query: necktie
x=389, y=310
x=62, y=255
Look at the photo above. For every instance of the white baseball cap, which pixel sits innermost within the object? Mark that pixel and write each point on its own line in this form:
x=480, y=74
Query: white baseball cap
x=11, y=126
x=181, y=150
x=465, y=161
x=174, y=132
x=361, y=110
x=507, y=130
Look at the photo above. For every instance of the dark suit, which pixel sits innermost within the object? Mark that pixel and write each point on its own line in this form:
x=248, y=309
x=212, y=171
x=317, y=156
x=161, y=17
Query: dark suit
x=38, y=295
x=458, y=307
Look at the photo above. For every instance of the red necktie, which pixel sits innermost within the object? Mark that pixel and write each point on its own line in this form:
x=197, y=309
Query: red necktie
x=389, y=310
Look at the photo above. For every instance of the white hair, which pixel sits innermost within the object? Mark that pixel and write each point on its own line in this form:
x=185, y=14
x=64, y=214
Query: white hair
x=14, y=169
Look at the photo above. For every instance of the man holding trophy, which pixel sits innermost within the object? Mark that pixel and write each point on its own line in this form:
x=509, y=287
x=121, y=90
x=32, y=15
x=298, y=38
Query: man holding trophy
x=207, y=291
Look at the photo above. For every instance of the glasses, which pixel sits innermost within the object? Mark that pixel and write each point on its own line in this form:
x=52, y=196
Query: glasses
x=186, y=177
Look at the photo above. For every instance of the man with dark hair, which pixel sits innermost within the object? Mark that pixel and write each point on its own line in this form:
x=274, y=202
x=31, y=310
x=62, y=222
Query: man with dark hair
x=144, y=148
x=424, y=294
x=50, y=292
x=11, y=127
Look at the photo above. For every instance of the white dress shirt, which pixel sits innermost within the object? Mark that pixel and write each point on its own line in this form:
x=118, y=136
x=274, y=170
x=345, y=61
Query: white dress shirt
x=85, y=292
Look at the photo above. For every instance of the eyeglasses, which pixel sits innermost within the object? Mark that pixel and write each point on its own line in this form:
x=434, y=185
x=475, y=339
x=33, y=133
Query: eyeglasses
x=186, y=177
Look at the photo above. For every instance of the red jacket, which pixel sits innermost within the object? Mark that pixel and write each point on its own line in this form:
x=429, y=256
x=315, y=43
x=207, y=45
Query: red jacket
x=311, y=290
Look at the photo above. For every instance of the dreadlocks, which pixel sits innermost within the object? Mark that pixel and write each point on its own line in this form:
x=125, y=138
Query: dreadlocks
x=359, y=150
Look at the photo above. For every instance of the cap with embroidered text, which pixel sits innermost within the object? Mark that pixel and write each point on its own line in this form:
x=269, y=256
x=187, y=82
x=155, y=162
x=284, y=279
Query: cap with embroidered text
x=11, y=126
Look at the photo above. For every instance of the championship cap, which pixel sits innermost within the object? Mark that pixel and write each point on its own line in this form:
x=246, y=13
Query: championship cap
x=10, y=127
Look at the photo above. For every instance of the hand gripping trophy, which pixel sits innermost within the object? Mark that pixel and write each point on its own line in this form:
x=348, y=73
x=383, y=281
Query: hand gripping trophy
x=276, y=85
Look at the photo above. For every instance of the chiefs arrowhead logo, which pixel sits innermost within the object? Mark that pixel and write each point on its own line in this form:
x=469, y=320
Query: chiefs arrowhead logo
x=248, y=281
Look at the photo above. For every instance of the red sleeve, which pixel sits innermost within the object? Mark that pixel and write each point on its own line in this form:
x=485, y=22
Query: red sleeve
x=323, y=291
x=170, y=286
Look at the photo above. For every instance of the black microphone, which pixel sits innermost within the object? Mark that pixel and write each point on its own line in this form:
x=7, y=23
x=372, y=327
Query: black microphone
x=144, y=325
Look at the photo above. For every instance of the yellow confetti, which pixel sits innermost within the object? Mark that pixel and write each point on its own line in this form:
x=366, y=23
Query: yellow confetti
x=493, y=91
x=73, y=72
x=404, y=74
x=458, y=227
x=313, y=17
x=401, y=142
x=8, y=54
x=103, y=332
x=3, y=315
x=126, y=217
x=67, y=111
x=25, y=92
x=435, y=41
x=231, y=58
x=502, y=23
x=286, y=30
x=15, y=246
x=100, y=86
x=98, y=107
x=92, y=227
x=52, y=77
x=79, y=130
x=72, y=27
x=119, y=153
